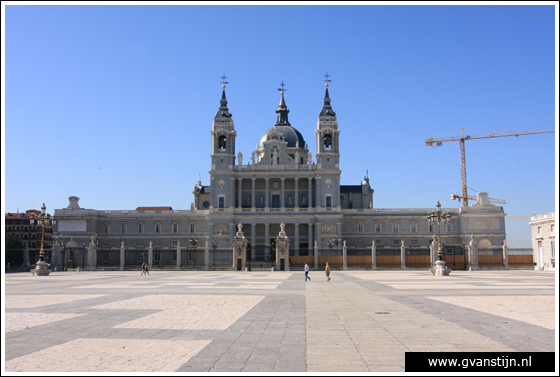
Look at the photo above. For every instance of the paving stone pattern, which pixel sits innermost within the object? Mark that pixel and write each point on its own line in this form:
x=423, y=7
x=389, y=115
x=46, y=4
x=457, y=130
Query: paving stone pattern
x=177, y=321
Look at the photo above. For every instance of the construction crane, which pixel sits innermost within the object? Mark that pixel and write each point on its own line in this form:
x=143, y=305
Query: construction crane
x=454, y=196
x=433, y=142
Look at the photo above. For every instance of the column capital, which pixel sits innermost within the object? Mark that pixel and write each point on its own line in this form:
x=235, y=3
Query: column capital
x=282, y=178
x=254, y=179
x=266, y=179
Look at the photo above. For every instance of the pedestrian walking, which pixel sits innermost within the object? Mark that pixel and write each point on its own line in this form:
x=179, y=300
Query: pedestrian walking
x=328, y=271
x=146, y=269
x=143, y=268
x=306, y=269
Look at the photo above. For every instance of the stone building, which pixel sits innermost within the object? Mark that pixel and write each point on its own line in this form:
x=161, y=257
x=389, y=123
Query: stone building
x=18, y=225
x=282, y=182
x=543, y=238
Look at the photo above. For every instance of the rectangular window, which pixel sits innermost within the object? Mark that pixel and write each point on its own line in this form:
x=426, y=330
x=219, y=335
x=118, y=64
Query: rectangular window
x=395, y=227
x=139, y=256
x=328, y=202
x=157, y=256
x=413, y=242
x=106, y=256
x=538, y=229
x=174, y=256
x=396, y=242
x=158, y=228
x=377, y=242
x=221, y=202
x=552, y=250
x=191, y=256
x=431, y=227
x=192, y=227
x=175, y=228
x=106, y=228
x=449, y=228
x=378, y=227
x=123, y=228
x=361, y=227
x=140, y=228
x=552, y=228
x=413, y=227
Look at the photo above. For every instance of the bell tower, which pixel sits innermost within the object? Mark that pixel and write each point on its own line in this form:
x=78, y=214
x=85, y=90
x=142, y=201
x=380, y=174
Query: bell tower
x=223, y=136
x=223, y=157
x=328, y=155
x=327, y=134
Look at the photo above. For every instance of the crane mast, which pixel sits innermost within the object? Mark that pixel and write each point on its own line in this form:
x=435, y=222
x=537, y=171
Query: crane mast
x=433, y=142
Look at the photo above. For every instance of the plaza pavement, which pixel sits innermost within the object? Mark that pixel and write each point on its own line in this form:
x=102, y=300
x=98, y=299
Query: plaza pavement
x=258, y=321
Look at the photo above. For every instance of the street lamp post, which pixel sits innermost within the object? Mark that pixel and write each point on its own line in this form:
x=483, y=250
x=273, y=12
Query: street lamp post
x=439, y=216
x=43, y=220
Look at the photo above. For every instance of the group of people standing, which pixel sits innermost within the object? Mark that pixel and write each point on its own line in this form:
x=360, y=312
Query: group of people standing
x=145, y=270
x=327, y=271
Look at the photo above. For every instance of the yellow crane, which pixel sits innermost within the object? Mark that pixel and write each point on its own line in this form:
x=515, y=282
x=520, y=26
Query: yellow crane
x=433, y=142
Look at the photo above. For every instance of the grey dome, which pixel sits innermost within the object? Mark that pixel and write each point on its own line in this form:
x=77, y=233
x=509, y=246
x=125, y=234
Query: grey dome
x=289, y=133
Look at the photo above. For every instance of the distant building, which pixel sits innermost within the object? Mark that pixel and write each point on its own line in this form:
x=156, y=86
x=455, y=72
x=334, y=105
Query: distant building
x=18, y=226
x=280, y=182
x=543, y=237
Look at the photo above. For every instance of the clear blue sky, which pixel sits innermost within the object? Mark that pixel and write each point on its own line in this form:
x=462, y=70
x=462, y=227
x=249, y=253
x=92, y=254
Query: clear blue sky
x=114, y=104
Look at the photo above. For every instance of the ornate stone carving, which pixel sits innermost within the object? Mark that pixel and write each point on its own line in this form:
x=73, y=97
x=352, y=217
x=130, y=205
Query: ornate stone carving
x=329, y=229
x=221, y=229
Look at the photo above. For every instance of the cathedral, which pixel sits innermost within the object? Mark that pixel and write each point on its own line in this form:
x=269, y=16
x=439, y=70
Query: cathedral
x=282, y=189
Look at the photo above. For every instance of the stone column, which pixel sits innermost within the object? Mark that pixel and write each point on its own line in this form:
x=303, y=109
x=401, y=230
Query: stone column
x=266, y=193
x=309, y=202
x=282, y=198
x=231, y=233
x=309, y=238
x=239, y=193
x=55, y=253
x=122, y=256
x=178, y=263
x=296, y=237
x=373, y=255
x=92, y=256
x=253, y=240
x=206, y=257
x=253, y=194
x=26, y=256
x=318, y=193
x=403, y=255
x=344, y=256
x=505, y=257
x=239, y=249
x=473, y=255
x=282, y=250
x=296, y=200
x=150, y=255
x=267, y=251
x=316, y=255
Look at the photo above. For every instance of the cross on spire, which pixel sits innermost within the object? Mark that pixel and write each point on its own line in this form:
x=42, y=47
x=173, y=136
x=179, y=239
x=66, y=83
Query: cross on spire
x=282, y=89
x=326, y=80
x=224, y=82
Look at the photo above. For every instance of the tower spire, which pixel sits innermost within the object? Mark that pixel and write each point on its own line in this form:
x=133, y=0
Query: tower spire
x=327, y=108
x=282, y=111
x=223, y=112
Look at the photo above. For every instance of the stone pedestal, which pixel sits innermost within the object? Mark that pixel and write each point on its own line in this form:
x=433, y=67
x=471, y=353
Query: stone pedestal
x=41, y=269
x=344, y=256
x=440, y=269
x=239, y=250
x=282, y=251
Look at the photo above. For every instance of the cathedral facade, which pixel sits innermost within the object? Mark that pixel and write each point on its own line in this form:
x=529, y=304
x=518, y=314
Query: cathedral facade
x=282, y=186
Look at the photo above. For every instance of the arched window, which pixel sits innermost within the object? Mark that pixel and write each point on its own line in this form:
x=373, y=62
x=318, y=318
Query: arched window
x=327, y=141
x=222, y=142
